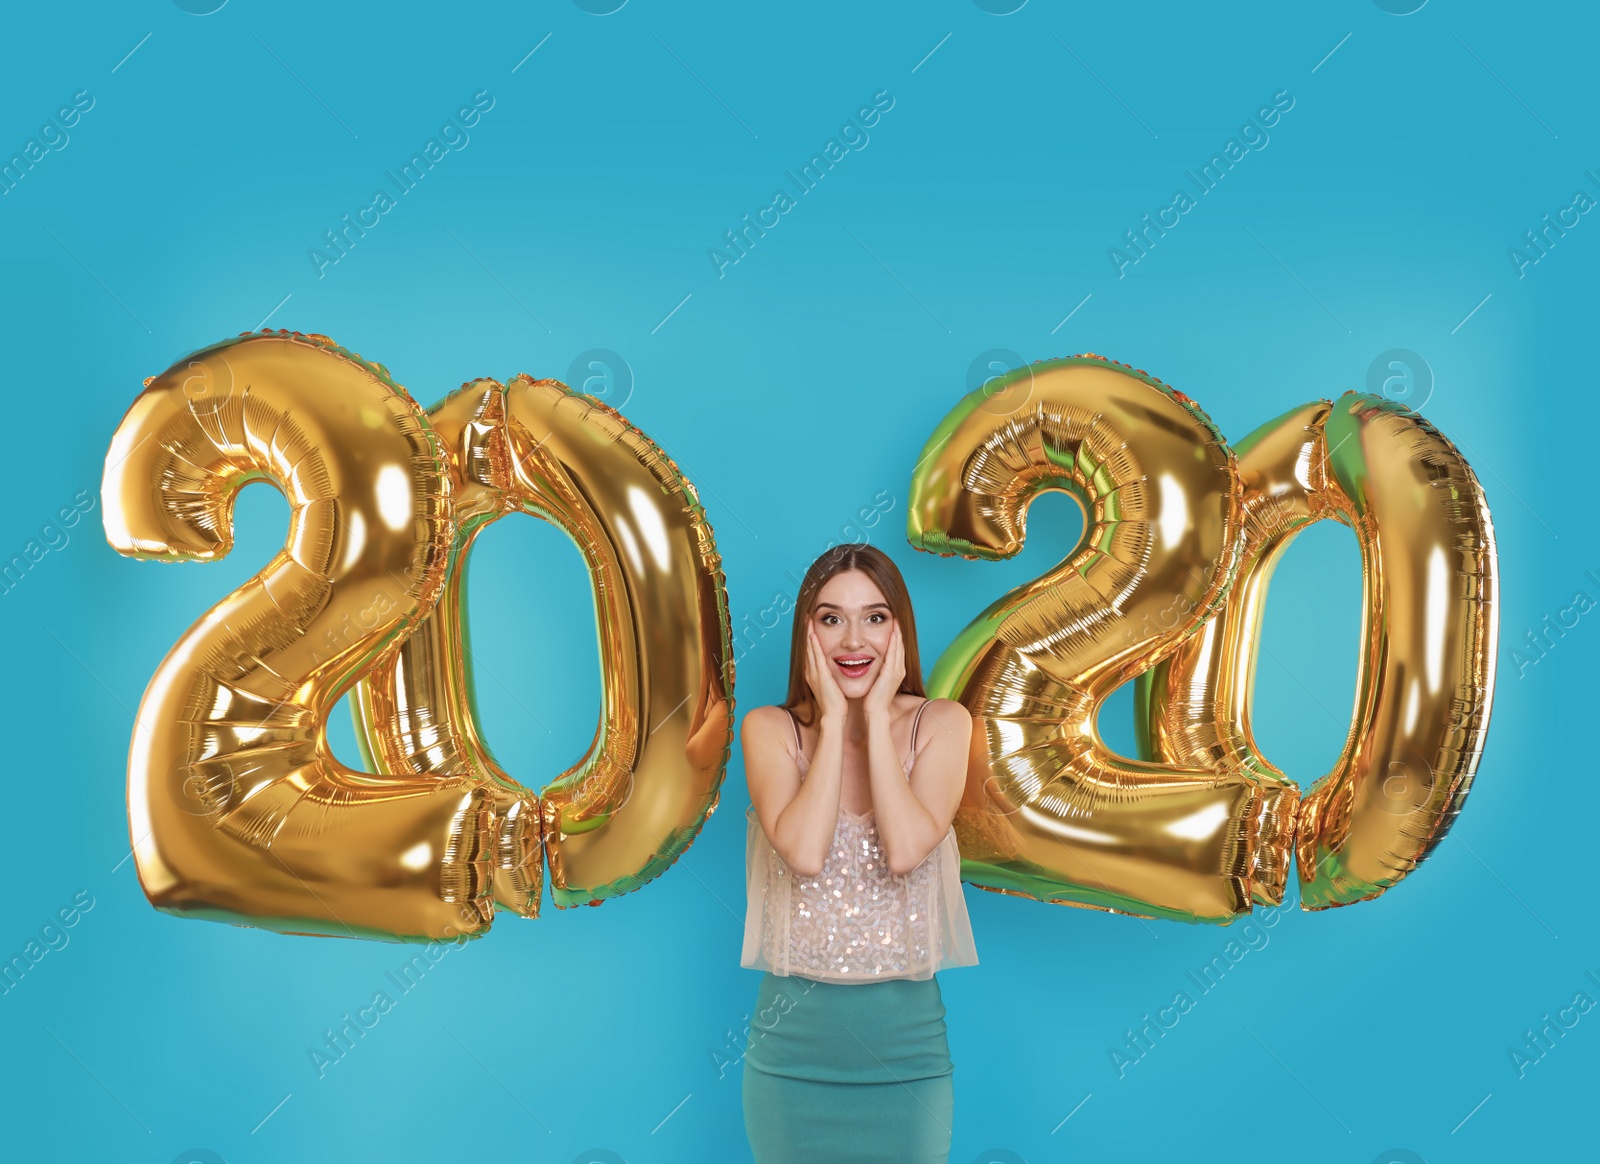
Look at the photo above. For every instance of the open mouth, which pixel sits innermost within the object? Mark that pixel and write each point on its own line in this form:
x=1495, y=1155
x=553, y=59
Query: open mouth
x=853, y=666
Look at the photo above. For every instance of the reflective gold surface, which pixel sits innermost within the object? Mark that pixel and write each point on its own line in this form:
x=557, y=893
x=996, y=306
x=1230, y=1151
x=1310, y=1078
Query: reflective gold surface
x=1049, y=812
x=238, y=810
x=1425, y=687
x=414, y=713
x=636, y=800
x=640, y=794
x=1424, y=681
x=1194, y=708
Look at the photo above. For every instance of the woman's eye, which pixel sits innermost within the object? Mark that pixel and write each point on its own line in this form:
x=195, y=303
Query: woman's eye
x=875, y=617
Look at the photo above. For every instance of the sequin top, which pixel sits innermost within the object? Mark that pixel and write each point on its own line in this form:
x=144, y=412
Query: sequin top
x=856, y=920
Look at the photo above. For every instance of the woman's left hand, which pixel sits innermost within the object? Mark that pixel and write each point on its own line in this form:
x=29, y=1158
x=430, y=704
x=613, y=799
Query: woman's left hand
x=880, y=696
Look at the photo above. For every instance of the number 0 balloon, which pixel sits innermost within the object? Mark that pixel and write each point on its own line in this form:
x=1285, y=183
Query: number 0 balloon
x=634, y=802
x=1425, y=676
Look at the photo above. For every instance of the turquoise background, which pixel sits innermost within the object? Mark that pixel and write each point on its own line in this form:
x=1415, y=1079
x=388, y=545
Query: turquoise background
x=794, y=389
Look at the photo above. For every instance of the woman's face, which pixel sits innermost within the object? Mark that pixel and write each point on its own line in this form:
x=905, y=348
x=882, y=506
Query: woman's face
x=854, y=624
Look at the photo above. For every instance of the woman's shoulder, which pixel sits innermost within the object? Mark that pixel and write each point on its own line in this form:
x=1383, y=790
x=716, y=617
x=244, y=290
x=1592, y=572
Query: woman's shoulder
x=943, y=713
x=940, y=708
x=765, y=720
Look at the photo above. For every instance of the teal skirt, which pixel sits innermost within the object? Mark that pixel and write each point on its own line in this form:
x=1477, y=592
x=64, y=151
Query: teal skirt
x=848, y=1073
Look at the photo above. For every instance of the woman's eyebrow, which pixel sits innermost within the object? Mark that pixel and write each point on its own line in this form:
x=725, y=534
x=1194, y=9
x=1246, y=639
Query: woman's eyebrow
x=868, y=606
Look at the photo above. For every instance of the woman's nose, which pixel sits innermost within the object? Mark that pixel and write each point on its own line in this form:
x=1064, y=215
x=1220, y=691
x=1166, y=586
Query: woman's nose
x=852, y=635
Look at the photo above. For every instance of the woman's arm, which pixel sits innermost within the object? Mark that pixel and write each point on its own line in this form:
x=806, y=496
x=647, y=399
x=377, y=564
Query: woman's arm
x=915, y=814
x=798, y=816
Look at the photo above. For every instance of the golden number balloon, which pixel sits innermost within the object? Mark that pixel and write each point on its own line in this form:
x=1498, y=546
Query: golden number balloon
x=649, y=780
x=1425, y=679
x=238, y=810
x=1049, y=811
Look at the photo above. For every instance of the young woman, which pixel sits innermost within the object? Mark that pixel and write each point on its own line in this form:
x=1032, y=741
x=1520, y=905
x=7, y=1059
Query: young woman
x=854, y=882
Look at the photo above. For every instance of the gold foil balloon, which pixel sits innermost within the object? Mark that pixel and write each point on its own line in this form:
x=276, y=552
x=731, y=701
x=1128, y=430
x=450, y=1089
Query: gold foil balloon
x=635, y=801
x=1425, y=678
x=1049, y=812
x=238, y=810
x=414, y=713
x=1192, y=709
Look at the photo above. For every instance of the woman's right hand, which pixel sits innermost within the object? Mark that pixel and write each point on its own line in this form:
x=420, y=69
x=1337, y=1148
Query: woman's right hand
x=831, y=703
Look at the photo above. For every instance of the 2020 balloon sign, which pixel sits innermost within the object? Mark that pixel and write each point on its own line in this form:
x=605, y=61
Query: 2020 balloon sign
x=239, y=811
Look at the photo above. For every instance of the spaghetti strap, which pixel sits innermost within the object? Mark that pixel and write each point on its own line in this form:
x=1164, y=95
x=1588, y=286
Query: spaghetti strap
x=915, y=720
x=911, y=757
x=795, y=724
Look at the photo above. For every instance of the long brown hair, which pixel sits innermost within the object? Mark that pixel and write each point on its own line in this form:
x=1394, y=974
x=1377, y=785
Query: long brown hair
x=877, y=565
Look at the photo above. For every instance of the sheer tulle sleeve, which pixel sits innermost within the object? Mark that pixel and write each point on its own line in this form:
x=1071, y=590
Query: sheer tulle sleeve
x=766, y=903
x=958, y=947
